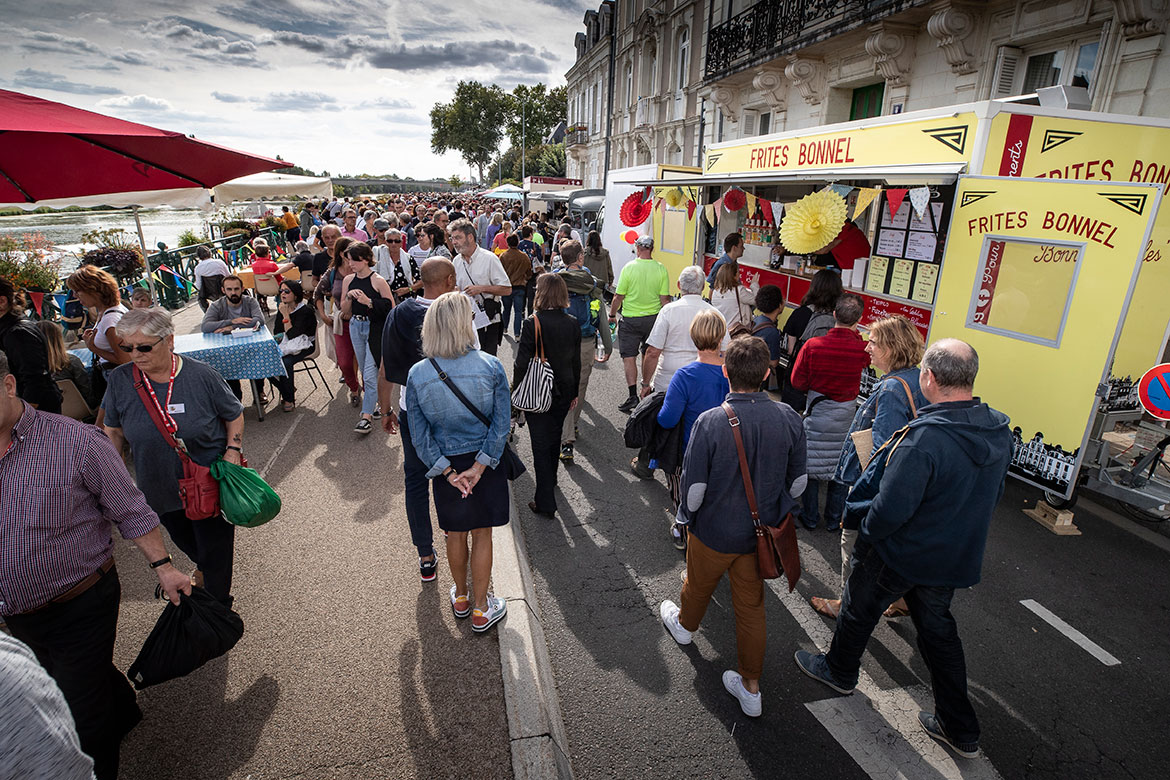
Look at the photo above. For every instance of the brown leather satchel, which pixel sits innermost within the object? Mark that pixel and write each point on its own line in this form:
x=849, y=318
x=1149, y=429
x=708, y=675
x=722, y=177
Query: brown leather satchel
x=776, y=549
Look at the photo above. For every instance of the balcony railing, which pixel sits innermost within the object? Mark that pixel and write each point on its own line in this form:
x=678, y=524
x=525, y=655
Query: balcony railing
x=576, y=135
x=774, y=27
x=643, y=113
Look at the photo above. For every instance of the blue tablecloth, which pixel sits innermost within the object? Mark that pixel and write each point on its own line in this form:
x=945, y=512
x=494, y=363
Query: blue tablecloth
x=255, y=356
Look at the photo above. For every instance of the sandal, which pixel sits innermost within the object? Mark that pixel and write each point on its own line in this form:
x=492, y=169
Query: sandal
x=897, y=610
x=827, y=607
x=287, y=406
x=263, y=400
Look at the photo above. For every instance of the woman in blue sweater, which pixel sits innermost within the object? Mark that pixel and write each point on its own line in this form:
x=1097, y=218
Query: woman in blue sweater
x=695, y=388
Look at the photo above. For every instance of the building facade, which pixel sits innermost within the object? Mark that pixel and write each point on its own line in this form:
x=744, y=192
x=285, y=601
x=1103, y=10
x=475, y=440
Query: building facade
x=686, y=73
x=635, y=87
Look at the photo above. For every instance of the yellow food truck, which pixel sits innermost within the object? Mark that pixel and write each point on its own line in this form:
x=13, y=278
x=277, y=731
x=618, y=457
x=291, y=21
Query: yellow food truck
x=1038, y=235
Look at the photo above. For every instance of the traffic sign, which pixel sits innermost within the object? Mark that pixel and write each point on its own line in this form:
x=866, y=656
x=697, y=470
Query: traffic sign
x=1154, y=391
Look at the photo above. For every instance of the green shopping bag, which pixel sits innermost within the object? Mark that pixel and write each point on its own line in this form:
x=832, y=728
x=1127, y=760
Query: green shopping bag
x=245, y=498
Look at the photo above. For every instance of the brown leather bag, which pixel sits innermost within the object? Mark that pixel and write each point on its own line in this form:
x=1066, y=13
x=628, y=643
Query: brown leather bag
x=776, y=549
x=197, y=488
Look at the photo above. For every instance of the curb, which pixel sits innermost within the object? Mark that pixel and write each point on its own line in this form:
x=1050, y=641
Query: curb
x=536, y=730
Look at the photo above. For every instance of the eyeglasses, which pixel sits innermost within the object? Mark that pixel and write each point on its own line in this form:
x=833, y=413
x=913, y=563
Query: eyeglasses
x=394, y=241
x=143, y=348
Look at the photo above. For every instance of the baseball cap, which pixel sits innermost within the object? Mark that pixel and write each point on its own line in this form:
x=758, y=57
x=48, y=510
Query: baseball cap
x=645, y=242
x=381, y=224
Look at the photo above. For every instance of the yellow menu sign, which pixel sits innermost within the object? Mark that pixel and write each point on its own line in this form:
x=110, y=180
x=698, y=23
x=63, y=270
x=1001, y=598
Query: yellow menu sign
x=875, y=277
x=925, y=282
x=900, y=282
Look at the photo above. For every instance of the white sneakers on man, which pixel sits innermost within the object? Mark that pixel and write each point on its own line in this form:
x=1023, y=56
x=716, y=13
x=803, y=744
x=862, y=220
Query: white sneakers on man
x=750, y=703
x=669, y=612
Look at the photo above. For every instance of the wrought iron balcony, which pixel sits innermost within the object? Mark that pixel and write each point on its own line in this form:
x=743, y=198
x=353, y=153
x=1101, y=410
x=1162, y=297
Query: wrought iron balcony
x=643, y=113
x=576, y=135
x=771, y=28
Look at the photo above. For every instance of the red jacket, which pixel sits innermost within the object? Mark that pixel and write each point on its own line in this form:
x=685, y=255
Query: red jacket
x=832, y=364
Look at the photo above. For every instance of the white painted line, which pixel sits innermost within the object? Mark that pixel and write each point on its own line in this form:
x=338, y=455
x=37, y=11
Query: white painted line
x=280, y=447
x=1088, y=645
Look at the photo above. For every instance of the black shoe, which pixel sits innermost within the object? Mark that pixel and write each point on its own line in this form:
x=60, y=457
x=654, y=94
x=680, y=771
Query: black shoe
x=535, y=511
x=427, y=569
x=678, y=535
x=377, y=414
x=641, y=471
x=566, y=453
x=810, y=526
x=363, y=426
x=932, y=727
x=628, y=405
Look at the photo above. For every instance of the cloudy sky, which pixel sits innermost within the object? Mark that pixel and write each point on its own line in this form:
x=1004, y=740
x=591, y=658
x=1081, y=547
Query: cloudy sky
x=338, y=85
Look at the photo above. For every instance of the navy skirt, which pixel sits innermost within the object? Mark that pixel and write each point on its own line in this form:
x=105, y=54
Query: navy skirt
x=488, y=505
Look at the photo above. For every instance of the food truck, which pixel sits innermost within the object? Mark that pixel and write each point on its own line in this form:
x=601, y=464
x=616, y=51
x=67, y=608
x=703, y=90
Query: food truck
x=1038, y=235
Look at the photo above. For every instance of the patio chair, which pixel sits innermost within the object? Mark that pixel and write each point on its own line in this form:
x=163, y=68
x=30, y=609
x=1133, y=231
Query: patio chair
x=265, y=285
x=211, y=290
x=308, y=365
x=73, y=403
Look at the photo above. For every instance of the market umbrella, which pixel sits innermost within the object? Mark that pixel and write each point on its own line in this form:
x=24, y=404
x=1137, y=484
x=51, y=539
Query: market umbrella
x=504, y=192
x=56, y=155
x=273, y=185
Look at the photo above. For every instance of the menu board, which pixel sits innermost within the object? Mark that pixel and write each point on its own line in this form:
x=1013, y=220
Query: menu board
x=900, y=279
x=925, y=281
x=891, y=242
x=901, y=218
x=921, y=224
x=875, y=278
x=920, y=246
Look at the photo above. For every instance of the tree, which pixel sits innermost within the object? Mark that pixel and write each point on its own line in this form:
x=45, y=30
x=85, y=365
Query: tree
x=552, y=160
x=455, y=181
x=542, y=109
x=471, y=124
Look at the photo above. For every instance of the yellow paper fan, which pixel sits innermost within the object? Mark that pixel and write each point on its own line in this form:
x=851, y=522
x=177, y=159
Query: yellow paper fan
x=673, y=197
x=812, y=222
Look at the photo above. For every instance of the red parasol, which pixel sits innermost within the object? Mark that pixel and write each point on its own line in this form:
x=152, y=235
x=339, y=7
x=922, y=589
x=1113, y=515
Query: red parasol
x=50, y=151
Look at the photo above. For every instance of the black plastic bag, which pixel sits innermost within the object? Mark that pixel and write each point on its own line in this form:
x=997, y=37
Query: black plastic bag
x=185, y=637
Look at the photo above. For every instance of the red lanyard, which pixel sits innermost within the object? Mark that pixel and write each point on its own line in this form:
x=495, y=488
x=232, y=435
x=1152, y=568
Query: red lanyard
x=164, y=412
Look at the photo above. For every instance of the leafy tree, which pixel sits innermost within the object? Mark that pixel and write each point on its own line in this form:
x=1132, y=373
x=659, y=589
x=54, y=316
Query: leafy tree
x=552, y=160
x=455, y=182
x=542, y=109
x=471, y=124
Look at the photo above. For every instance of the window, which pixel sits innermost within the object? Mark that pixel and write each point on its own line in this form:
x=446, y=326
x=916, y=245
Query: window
x=765, y=123
x=867, y=101
x=630, y=11
x=1024, y=287
x=1043, y=70
x=1072, y=63
x=719, y=127
x=684, y=43
x=629, y=83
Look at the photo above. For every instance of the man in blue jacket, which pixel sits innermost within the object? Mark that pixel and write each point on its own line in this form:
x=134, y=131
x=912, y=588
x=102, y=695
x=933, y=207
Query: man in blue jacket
x=925, y=503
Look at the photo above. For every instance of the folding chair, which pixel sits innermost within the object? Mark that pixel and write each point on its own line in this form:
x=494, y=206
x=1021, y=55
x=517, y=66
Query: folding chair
x=308, y=365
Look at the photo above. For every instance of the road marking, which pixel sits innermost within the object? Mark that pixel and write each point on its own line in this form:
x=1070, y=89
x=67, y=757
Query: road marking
x=280, y=447
x=1088, y=645
x=878, y=729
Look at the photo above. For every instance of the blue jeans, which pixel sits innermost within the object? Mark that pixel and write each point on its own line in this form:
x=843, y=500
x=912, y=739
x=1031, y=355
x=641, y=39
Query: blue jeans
x=872, y=587
x=514, y=302
x=359, y=336
x=418, y=501
x=834, y=503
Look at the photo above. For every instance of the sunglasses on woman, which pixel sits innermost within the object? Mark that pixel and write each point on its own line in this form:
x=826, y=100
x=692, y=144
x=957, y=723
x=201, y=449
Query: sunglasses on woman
x=143, y=348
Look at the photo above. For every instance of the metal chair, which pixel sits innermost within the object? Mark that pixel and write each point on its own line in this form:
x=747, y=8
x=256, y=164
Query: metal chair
x=308, y=364
x=73, y=403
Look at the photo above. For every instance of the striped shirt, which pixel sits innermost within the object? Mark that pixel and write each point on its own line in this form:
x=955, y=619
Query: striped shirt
x=832, y=364
x=61, y=486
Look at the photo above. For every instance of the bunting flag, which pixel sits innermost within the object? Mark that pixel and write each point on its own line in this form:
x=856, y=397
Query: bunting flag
x=752, y=200
x=38, y=299
x=766, y=210
x=646, y=194
x=865, y=196
x=226, y=256
x=718, y=208
x=841, y=189
x=60, y=299
x=691, y=209
x=919, y=198
x=709, y=213
x=894, y=198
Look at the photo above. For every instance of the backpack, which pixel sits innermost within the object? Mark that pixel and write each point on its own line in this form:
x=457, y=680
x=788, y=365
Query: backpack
x=818, y=325
x=580, y=307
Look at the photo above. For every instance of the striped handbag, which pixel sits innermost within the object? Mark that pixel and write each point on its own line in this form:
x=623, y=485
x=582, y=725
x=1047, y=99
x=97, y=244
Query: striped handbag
x=533, y=392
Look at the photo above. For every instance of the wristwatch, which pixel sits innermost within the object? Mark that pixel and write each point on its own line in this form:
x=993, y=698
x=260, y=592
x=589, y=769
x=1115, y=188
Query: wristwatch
x=449, y=471
x=162, y=562
x=234, y=447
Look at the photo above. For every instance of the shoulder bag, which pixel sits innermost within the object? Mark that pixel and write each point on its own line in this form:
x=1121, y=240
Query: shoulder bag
x=776, y=549
x=863, y=439
x=197, y=488
x=513, y=466
x=534, y=391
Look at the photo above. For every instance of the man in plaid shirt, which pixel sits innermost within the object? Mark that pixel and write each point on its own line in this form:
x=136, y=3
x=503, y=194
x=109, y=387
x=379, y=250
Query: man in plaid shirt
x=62, y=485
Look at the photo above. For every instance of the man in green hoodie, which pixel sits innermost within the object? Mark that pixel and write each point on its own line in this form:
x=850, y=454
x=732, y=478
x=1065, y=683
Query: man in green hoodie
x=585, y=305
x=925, y=503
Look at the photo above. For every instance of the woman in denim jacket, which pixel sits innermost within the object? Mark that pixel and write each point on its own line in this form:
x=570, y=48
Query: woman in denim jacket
x=461, y=453
x=895, y=346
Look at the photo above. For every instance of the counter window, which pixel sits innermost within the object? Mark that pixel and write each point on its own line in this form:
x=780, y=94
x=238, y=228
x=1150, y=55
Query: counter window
x=1023, y=288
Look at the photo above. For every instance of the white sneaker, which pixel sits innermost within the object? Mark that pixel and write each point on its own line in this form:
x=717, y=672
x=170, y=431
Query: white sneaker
x=750, y=703
x=669, y=612
x=483, y=619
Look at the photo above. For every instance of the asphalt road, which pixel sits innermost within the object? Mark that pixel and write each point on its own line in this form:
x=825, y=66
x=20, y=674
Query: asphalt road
x=637, y=705
x=349, y=667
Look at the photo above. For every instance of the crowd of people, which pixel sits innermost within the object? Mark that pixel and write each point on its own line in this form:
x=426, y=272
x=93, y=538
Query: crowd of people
x=413, y=299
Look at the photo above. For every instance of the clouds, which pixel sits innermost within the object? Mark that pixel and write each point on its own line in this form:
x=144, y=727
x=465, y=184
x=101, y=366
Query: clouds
x=137, y=103
x=205, y=42
x=29, y=78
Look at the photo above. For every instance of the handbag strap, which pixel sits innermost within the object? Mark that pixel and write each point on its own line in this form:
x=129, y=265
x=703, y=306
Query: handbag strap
x=450, y=383
x=156, y=418
x=539, y=338
x=909, y=397
x=743, y=463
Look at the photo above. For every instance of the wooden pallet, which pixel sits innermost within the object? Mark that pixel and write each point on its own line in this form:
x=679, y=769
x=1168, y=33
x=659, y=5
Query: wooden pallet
x=1058, y=521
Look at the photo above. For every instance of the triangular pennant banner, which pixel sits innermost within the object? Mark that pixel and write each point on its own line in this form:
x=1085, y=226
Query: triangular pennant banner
x=752, y=201
x=841, y=189
x=691, y=209
x=38, y=299
x=60, y=299
x=709, y=213
x=894, y=198
x=865, y=196
x=919, y=198
x=766, y=210
x=646, y=194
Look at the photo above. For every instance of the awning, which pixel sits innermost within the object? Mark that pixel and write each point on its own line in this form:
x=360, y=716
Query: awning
x=558, y=197
x=273, y=185
x=894, y=175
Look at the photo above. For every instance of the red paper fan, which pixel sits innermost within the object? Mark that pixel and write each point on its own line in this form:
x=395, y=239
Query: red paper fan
x=734, y=199
x=634, y=212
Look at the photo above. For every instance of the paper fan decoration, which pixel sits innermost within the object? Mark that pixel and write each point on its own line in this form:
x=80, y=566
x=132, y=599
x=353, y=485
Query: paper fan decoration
x=673, y=197
x=812, y=222
x=634, y=211
x=734, y=200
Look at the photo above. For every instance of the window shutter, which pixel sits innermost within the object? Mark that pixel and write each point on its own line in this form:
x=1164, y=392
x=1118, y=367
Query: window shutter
x=750, y=122
x=1007, y=65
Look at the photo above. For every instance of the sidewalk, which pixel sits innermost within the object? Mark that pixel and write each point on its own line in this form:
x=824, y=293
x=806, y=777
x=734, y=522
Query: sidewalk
x=349, y=667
